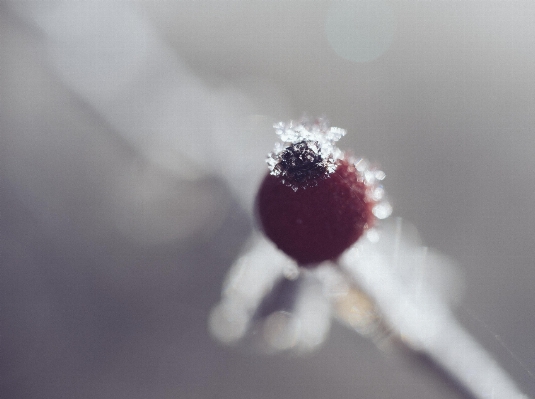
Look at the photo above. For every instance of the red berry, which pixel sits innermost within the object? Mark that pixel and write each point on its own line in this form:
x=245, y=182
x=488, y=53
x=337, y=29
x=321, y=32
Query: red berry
x=315, y=202
x=319, y=222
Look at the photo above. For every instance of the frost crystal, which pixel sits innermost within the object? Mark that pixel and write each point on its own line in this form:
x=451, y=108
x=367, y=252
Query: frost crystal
x=375, y=192
x=307, y=152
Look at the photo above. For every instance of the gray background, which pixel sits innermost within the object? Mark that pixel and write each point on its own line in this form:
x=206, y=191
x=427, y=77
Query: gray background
x=110, y=263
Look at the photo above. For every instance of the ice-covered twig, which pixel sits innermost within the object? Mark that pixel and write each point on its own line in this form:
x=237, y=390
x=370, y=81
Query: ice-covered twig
x=385, y=285
x=423, y=320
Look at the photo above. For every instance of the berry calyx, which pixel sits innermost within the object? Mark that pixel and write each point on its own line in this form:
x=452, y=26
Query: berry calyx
x=315, y=202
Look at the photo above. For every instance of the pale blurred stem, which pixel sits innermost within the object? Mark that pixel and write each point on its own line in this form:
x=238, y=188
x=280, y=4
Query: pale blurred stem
x=454, y=356
x=420, y=362
x=390, y=343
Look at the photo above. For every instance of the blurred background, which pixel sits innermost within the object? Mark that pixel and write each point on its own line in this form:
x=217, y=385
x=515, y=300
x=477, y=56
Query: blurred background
x=133, y=136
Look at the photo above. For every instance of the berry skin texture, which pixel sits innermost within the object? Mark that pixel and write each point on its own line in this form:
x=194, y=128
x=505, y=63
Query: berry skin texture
x=319, y=222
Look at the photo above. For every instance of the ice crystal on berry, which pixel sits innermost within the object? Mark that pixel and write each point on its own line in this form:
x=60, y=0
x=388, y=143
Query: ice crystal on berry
x=307, y=152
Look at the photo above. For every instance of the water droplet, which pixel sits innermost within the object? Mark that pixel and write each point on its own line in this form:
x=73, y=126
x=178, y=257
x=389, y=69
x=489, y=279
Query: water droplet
x=382, y=210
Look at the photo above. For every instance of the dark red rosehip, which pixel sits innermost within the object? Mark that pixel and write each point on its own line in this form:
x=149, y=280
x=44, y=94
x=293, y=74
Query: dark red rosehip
x=317, y=222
